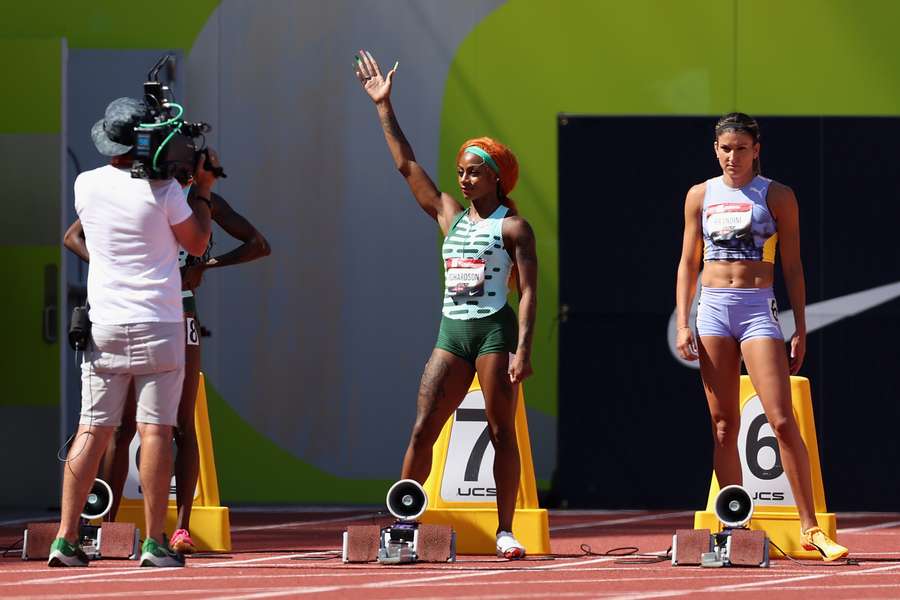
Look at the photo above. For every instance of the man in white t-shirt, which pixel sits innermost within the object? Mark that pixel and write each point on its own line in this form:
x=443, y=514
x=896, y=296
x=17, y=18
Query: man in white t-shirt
x=133, y=228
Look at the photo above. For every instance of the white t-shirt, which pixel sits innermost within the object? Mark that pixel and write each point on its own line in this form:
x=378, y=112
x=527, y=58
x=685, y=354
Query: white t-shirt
x=133, y=275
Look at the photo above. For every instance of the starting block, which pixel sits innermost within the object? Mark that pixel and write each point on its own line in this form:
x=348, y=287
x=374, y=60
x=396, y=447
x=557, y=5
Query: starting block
x=361, y=543
x=407, y=540
x=729, y=547
x=689, y=546
x=735, y=545
x=38, y=537
x=107, y=540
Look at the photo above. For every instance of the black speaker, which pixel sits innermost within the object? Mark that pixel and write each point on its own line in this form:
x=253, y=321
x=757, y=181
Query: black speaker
x=99, y=501
x=734, y=506
x=407, y=500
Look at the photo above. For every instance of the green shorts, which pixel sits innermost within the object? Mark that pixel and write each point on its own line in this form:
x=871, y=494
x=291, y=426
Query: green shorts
x=189, y=305
x=469, y=339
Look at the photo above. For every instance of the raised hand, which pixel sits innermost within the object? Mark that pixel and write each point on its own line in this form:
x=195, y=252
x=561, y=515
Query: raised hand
x=377, y=86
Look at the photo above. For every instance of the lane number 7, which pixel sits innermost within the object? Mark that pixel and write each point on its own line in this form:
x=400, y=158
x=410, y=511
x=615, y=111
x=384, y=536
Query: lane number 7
x=479, y=415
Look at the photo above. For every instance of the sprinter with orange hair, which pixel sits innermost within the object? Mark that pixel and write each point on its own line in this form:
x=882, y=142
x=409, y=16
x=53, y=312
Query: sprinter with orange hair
x=483, y=245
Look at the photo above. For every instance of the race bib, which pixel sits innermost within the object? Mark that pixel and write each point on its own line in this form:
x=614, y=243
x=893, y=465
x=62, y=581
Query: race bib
x=464, y=276
x=729, y=221
x=192, y=333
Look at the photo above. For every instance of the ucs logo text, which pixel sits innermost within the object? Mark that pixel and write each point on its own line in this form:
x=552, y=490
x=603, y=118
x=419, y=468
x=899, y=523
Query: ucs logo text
x=478, y=491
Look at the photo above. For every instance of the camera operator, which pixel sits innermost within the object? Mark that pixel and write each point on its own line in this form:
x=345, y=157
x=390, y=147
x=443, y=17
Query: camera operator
x=114, y=467
x=133, y=228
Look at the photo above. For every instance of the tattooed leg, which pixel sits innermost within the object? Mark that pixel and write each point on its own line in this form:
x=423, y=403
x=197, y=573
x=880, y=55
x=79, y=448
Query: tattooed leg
x=444, y=385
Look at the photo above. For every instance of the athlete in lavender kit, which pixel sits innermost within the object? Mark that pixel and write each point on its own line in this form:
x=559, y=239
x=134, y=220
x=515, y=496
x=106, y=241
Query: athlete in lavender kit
x=734, y=222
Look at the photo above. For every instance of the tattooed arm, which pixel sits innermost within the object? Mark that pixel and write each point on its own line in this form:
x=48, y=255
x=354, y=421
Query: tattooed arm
x=237, y=226
x=253, y=245
x=439, y=206
x=519, y=236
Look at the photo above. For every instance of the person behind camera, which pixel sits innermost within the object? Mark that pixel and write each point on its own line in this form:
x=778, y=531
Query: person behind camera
x=133, y=229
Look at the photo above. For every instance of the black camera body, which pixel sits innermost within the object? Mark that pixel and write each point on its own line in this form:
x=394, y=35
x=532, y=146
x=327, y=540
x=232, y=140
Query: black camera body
x=80, y=329
x=167, y=146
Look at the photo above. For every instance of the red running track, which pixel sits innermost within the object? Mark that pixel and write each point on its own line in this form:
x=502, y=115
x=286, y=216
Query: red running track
x=294, y=553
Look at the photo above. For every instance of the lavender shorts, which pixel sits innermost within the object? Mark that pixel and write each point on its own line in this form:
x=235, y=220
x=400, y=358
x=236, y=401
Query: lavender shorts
x=739, y=313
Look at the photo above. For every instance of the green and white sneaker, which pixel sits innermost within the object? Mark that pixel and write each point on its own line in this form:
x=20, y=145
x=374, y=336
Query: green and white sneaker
x=154, y=554
x=64, y=554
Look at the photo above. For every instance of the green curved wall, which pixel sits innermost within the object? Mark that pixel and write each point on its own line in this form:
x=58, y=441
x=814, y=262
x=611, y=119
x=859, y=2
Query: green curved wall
x=519, y=68
x=270, y=473
x=108, y=23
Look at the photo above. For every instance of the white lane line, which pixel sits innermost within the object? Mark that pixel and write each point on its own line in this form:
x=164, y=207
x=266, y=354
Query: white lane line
x=423, y=581
x=267, y=592
x=139, y=571
x=305, y=523
x=886, y=525
x=299, y=566
x=624, y=521
x=283, y=591
x=249, y=561
x=87, y=576
x=567, y=581
x=260, y=592
x=519, y=595
x=849, y=586
x=775, y=582
x=194, y=592
x=238, y=577
x=756, y=586
x=196, y=579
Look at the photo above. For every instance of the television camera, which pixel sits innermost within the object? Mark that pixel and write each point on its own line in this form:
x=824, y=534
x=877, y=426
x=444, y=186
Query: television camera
x=166, y=145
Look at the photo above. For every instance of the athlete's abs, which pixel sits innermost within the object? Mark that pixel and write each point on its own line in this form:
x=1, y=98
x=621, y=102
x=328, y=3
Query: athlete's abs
x=737, y=274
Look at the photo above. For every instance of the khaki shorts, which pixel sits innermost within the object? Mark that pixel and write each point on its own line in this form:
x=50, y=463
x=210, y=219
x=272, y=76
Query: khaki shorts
x=149, y=354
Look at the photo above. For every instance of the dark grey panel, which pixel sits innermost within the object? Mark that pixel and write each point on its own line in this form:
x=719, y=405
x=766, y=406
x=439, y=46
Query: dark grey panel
x=30, y=471
x=29, y=178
